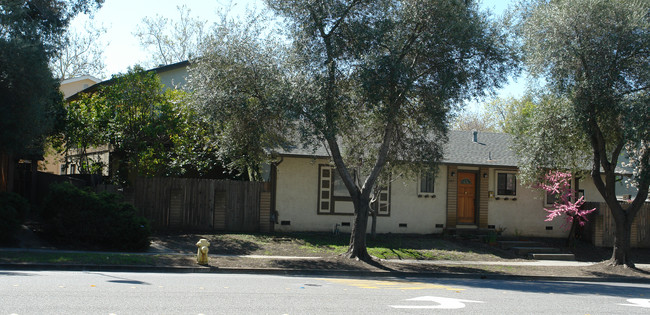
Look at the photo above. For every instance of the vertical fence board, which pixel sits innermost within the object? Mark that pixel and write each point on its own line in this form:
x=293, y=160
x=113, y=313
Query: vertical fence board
x=220, y=209
x=265, y=212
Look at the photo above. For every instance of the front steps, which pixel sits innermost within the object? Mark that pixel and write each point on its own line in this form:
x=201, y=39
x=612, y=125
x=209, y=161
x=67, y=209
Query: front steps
x=467, y=232
x=536, y=250
x=555, y=256
x=524, y=251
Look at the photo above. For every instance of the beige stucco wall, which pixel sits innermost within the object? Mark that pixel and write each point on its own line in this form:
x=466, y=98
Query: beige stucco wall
x=174, y=78
x=297, y=198
x=524, y=216
x=591, y=192
x=297, y=195
x=70, y=88
x=420, y=213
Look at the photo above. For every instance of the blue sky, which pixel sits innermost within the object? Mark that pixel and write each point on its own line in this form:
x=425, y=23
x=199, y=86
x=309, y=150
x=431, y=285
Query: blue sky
x=121, y=17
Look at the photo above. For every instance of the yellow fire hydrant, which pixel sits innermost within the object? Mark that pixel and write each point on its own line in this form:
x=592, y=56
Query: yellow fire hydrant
x=202, y=252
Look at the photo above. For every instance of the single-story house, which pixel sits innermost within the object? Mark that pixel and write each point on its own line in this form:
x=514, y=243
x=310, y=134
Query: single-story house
x=476, y=187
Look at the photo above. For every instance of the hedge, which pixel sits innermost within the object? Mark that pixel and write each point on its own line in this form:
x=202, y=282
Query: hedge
x=13, y=212
x=103, y=220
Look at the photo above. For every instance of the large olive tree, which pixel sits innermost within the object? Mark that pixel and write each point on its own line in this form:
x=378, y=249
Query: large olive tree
x=595, y=53
x=377, y=79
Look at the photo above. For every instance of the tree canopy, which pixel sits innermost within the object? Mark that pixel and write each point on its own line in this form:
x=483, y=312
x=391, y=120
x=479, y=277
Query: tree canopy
x=546, y=135
x=151, y=131
x=30, y=33
x=171, y=41
x=594, y=54
x=80, y=55
x=239, y=85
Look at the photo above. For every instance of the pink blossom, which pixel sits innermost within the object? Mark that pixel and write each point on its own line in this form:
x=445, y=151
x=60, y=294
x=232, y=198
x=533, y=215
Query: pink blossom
x=559, y=183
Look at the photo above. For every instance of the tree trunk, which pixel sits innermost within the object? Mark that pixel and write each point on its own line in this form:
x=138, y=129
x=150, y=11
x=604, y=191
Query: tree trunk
x=571, y=239
x=621, y=252
x=373, y=227
x=357, y=247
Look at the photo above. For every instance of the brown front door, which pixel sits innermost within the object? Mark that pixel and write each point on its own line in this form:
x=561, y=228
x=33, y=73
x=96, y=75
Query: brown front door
x=466, y=198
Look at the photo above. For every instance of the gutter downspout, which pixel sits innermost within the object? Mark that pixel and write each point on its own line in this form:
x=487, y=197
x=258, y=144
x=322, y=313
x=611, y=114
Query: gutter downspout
x=274, y=190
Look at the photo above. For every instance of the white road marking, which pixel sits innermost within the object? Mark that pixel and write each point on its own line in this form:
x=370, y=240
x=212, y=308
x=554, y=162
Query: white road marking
x=638, y=303
x=444, y=303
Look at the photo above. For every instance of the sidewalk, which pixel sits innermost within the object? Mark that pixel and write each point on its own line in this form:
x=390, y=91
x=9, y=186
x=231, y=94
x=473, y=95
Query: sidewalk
x=167, y=260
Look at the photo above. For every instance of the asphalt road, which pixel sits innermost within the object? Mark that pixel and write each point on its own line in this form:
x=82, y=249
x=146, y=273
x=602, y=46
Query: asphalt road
x=34, y=292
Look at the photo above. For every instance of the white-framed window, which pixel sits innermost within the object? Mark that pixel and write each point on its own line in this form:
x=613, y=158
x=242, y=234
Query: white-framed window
x=506, y=183
x=426, y=183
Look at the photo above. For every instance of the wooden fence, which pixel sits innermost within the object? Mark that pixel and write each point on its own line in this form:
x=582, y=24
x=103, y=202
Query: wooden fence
x=183, y=204
x=601, y=226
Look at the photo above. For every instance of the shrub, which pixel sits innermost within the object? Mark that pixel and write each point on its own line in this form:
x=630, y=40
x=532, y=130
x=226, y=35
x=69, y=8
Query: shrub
x=101, y=220
x=13, y=212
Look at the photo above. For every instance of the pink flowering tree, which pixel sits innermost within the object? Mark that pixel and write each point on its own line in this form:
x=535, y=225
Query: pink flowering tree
x=559, y=184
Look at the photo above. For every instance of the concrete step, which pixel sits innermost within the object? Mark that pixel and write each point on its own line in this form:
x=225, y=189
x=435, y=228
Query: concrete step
x=523, y=251
x=511, y=244
x=553, y=256
x=470, y=231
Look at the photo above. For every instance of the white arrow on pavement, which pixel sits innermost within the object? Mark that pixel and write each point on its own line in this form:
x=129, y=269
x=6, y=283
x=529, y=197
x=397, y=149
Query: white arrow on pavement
x=638, y=302
x=444, y=303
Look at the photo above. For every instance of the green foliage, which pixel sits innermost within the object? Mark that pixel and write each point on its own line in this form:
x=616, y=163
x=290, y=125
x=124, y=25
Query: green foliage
x=141, y=119
x=13, y=211
x=373, y=80
x=84, y=128
x=30, y=102
x=595, y=54
x=546, y=134
x=382, y=66
x=30, y=33
x=151, y=130
x=102, y=221
x=239, y=85
x=379, y=78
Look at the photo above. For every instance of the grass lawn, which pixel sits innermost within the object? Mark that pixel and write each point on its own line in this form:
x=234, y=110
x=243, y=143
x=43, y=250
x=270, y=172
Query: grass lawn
x=386, y=246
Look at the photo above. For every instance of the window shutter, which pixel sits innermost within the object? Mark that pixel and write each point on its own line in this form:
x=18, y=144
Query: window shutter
x=325, y=189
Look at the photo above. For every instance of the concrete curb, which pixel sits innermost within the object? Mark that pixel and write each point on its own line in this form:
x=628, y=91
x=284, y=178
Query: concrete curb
x=304, y=272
